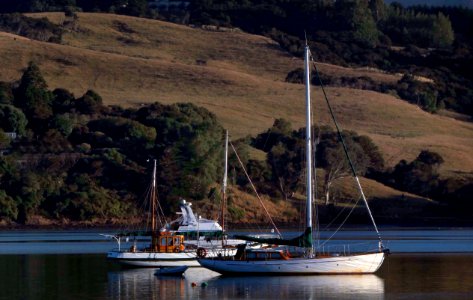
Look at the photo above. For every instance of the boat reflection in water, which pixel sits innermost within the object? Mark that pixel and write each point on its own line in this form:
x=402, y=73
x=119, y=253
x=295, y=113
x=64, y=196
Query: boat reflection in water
x=204, y=284
x=301, y=287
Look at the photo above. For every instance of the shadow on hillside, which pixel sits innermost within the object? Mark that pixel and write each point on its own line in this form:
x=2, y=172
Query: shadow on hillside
x=403, y=210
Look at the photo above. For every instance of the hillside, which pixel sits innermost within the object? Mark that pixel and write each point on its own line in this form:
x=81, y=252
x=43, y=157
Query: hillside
x=239, y=77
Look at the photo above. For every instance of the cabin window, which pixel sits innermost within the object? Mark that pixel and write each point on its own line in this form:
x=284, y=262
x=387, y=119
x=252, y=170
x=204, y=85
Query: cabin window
x=163, y=241
x=170, y=241
x=176, y=241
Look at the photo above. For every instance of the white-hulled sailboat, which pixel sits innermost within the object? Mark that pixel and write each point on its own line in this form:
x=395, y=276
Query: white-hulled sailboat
x=277, y=261
x=169, y=248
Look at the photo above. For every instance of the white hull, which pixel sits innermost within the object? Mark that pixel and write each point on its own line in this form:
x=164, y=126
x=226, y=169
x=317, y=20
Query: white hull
x=352, y=264
x=154, y=259
x=157, y=260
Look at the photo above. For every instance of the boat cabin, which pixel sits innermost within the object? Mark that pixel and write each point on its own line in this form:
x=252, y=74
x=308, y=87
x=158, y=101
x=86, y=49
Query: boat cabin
x=167, y=242
x=263, y=254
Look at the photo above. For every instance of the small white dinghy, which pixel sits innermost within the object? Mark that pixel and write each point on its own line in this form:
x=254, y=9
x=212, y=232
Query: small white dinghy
x=172, y=271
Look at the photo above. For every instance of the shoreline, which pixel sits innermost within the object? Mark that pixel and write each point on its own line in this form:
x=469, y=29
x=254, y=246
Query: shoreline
x=246, y=227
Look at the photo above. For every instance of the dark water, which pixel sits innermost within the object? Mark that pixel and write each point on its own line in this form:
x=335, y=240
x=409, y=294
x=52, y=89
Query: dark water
x=90, y=276
x=47, y=265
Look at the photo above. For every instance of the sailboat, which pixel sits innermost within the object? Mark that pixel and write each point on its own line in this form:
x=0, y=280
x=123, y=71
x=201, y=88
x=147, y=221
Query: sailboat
x=168, y=248
x=278, y=260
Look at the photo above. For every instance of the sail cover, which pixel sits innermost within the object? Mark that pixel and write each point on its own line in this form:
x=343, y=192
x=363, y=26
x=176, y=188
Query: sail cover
x=304, y=240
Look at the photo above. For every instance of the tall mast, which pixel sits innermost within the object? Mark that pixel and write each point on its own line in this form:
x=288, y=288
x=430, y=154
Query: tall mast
x=224, y=184
x=153, y=209
x=308, y=144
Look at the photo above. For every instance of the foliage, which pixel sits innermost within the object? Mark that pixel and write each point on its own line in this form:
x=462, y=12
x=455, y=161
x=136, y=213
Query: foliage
x=106, y=176
x=89, y=103
x=12, y=119
x=8, y=206
x=63, y=123
x=123, y=133
x=4, y=140
x=286, y=156
x=419, y=176
x=424, y=94
x=6, y=93
x=189, y=142
x=410, y=27
x=33, y=97
x=33, y=28
x=63, y=101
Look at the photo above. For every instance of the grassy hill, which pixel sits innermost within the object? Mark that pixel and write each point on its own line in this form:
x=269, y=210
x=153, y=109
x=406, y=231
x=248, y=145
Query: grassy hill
x=238, y=76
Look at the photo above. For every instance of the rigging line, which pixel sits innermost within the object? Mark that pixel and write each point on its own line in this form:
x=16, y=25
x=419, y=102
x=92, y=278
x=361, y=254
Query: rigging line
x=162, y=217
x=341, y=212
x=326, y=228
x=346, y=150
x=343, y=223
x=254, y=188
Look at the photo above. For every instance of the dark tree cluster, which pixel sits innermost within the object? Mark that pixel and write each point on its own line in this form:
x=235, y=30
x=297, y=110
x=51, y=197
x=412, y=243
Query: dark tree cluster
x=74, y=158
x=424, y=94
x=286, y=157
x=37, y=29
x=421, y=177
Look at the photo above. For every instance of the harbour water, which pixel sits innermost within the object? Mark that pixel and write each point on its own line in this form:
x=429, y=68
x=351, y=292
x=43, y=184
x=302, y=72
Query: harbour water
x=425, y=264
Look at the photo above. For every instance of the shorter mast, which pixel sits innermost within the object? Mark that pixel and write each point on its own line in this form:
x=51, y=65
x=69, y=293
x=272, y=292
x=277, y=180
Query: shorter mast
x=153, y=210
x=224, y=186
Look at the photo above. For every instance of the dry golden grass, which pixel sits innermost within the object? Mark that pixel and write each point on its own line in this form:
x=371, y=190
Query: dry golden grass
x=347, y=187
x=280, y=211
x=238, y=76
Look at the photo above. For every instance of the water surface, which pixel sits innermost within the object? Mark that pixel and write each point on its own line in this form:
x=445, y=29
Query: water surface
x=425, y=264
x=90, y=276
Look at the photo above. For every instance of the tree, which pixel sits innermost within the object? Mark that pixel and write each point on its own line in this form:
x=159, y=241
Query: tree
x=12, y=119
x=6, y=93
x=4, y=140
x=443, y=35
x=89, y=103
x=365, y=29
x=63, y=101
x=124, y=133
x=8, y=206
x=286, y=165
x=189, y=140
x=136, y=8
x=54, y=141
x=280, y=130
x=378, y=9
x=63, y=123
x=332, y=159
x=419, y=176
x=33, y=97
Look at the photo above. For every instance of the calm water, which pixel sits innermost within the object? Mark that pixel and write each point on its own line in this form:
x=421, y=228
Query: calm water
x=46, y=265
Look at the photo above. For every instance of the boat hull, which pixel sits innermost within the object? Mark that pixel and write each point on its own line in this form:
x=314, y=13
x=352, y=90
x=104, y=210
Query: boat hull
x=353, y=264
x=160, y=259
x=173, y=271
x=154, y=259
